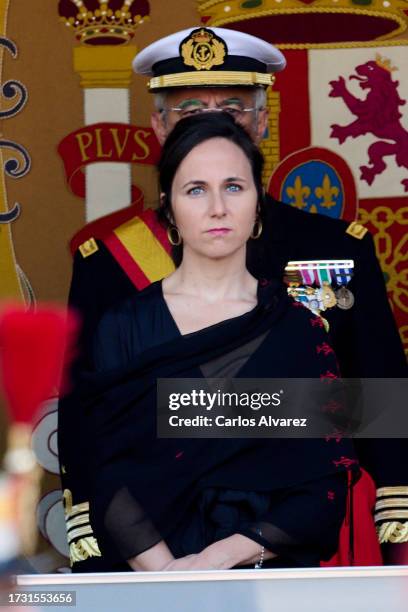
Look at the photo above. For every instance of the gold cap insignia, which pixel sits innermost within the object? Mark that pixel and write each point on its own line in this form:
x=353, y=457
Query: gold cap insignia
x=203, y=50
x=89, y=247
x=356, y=230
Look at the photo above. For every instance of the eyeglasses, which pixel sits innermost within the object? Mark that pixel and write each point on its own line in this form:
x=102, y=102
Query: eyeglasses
x=234, y=111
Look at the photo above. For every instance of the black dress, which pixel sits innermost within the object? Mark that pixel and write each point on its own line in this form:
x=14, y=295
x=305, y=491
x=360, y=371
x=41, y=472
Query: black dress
x=365, y=338
x=303, y=520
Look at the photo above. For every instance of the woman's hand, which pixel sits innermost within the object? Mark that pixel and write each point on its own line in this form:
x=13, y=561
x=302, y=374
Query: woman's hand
x=234, y=551
x=196, y=562
x=189, y=562
x=224, y=554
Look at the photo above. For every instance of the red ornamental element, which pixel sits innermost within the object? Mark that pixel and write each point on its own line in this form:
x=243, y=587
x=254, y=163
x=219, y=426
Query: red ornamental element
x=324, y=348
x=331, y=495
x=332, y=407
x=179, y=454
x=104, y=22
x=317, y=322
x=106, y=142
x=345, y=461
x=334, y=436
x=34, y=347
x=317, y=24
x=328, y=376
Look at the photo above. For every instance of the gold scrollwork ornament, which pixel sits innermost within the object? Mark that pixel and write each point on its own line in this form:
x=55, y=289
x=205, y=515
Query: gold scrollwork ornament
x=394, y=532
x=83, y=549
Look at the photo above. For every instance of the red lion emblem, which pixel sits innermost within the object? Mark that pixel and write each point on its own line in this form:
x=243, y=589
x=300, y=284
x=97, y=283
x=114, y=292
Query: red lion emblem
x=377, y=114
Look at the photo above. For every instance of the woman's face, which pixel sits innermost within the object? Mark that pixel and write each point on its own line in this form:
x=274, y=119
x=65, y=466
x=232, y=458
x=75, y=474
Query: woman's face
x=214, y=199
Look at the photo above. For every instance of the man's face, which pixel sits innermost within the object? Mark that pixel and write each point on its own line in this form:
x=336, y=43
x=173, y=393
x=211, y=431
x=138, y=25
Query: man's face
x=195, y=98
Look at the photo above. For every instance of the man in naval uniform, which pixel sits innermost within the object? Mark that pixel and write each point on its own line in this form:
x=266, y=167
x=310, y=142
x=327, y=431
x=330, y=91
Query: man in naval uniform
x=232, y=75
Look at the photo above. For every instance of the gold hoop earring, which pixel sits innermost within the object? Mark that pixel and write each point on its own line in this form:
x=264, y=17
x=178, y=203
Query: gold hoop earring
x=170, y=229
x=258, y=226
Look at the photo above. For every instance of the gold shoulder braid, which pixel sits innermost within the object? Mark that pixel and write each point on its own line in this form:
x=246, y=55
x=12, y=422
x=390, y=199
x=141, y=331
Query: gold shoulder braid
x=89, y=247
x=78, y=526
x=391, y=514
x=356, y=230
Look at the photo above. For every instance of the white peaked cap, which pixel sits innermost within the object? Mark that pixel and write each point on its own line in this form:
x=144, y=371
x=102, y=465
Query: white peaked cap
x=243, y=60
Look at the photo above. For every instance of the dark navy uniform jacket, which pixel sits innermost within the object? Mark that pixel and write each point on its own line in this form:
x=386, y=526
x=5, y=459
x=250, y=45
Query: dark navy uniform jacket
x=365, y=337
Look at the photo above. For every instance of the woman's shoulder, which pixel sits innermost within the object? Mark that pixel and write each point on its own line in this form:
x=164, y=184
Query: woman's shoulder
x=127, y=312
x=130, y=327
x=143, y=299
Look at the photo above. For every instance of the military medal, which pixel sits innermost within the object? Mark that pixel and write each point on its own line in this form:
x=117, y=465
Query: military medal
x=302, y=275
x=344, y=298
x=327, y=295
x=313, y=301
x=308, y=296
x=314, y=305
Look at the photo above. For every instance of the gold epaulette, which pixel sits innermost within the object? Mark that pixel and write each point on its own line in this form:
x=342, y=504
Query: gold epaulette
x=81, y=541
x=356, y=230
x=89, y=247
x=391, y=514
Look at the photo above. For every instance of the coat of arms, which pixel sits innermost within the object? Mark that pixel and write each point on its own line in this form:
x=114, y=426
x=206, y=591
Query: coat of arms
x=203, y=50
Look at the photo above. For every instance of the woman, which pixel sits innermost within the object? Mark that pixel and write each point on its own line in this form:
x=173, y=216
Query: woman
x=169, y=504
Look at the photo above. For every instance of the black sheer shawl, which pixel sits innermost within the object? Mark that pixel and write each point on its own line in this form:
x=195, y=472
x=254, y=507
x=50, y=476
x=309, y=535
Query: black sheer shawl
x=143, y=486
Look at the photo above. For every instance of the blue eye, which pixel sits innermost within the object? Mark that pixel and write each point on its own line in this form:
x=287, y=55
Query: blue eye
x=195, y=191
x=234, y=187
